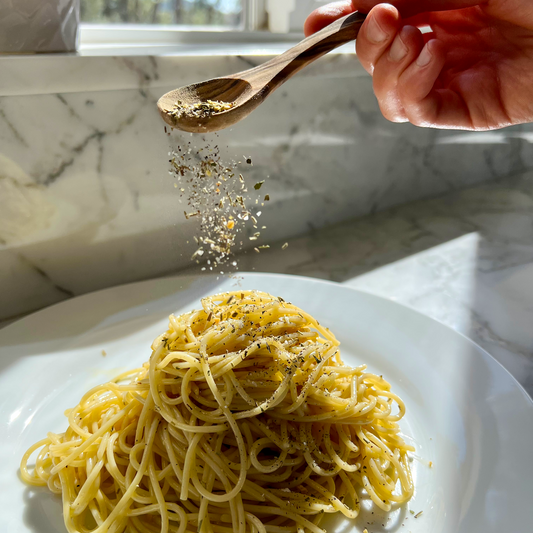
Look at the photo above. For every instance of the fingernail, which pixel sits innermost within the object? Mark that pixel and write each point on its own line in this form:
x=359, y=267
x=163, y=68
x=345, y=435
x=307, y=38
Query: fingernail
x=398, y=50
x=425, y=56
x=375, y=32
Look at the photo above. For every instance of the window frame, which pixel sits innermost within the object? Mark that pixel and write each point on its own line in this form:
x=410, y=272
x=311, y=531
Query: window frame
x=251, y=29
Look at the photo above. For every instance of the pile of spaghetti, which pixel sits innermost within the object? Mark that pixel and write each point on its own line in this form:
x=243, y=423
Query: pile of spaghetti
x=245, y=419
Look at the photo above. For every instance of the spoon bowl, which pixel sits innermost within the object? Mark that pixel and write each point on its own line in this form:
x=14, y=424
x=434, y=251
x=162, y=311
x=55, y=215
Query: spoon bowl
x=230, y=90
x=247, y=90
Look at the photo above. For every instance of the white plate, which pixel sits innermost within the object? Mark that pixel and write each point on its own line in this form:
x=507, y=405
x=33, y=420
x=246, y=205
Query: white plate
x=465, y=412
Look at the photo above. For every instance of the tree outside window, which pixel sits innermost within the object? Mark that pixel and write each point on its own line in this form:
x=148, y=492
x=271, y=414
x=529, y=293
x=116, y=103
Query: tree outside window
x=183, y=12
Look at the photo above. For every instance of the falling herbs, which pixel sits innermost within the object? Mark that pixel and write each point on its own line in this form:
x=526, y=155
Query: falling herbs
x=216, y=195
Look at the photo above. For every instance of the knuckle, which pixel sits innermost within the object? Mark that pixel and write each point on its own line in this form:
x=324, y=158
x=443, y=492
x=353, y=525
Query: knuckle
x=393, y=113
x=381, y=90
x=405, y=90
x=365, y=55
x=370, y=54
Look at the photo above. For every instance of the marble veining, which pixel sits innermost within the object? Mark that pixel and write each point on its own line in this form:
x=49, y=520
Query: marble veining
x=86, y=201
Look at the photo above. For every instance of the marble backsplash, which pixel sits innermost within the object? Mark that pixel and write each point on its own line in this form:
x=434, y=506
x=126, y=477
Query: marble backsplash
x=86, y=200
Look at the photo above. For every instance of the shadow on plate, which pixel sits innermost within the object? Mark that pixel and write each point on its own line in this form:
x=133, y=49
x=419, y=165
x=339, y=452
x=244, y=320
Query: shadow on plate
x=99, y=317
x=43, y=514
x=370, y=517
x=42, y=511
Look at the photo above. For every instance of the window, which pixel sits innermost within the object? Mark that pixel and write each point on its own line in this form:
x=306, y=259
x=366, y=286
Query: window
x=226, y=13
x=108, y=23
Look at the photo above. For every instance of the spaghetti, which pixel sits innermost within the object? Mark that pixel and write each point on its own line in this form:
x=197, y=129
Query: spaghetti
x=245, y=419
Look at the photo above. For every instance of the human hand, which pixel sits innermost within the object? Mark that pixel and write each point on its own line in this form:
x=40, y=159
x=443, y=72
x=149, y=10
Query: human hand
x=472, y=71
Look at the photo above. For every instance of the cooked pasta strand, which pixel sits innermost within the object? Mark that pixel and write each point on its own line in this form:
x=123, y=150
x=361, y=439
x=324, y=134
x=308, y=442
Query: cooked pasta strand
x=245, y=419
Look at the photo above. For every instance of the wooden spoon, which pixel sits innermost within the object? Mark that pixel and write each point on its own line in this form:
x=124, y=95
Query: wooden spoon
x=244, y=91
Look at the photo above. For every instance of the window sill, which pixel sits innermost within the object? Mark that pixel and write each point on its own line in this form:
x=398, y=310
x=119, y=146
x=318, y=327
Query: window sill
x=185, y=49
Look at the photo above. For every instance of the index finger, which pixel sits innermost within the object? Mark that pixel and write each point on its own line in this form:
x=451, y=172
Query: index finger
x=325, y=15
x=409, y=8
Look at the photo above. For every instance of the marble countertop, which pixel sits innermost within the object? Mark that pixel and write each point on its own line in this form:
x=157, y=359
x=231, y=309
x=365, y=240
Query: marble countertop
x=465, y=259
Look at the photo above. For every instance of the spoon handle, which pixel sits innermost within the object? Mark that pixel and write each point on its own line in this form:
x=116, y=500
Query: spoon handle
x=282, y=67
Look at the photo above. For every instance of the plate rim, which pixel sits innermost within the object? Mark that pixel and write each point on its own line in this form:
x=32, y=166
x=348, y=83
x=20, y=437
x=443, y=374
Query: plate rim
x=174, y=285
x=194, y=277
